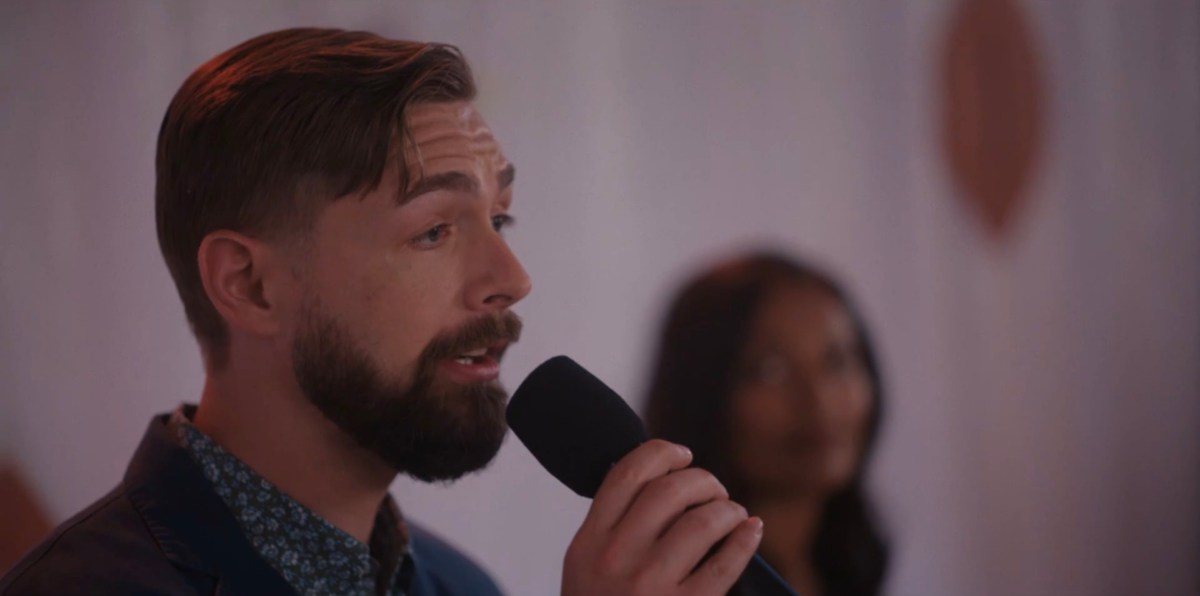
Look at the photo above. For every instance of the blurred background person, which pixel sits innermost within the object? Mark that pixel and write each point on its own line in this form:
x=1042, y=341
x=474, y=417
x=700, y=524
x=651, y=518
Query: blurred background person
x=765, y=370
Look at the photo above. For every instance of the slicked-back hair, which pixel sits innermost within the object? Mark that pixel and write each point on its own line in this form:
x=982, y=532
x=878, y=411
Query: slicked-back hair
x=694, y=379
x=262, y=136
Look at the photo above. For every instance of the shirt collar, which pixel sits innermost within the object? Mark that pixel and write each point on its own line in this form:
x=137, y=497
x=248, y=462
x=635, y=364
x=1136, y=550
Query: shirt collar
x=312, y=555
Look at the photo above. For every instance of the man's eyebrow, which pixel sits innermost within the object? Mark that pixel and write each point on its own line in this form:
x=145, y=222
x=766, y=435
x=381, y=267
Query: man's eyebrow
x=456, y=181
x=505, y=178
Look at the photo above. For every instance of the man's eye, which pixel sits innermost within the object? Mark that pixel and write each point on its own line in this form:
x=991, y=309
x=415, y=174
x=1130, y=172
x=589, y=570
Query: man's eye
x=499, y=222
x=433, y=236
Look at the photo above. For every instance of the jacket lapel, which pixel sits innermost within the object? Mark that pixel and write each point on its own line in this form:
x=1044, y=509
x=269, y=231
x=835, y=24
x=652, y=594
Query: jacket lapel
x=193, y=527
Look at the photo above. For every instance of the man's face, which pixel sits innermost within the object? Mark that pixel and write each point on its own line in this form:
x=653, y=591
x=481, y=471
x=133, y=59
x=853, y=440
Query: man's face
x=405, y=302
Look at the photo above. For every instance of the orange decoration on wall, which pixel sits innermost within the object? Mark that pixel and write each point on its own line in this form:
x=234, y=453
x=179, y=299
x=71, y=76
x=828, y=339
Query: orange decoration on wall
x=992, y=112
x=23, y=521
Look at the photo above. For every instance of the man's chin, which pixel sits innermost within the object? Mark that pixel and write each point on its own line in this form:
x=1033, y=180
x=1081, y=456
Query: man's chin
x=447, y=421
x=448, y=463
x=463, y=436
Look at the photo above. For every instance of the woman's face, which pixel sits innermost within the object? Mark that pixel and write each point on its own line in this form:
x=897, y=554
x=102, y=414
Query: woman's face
x=801, y=403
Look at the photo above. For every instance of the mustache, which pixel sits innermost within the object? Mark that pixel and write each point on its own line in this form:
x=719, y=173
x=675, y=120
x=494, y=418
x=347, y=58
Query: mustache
x=476, y=333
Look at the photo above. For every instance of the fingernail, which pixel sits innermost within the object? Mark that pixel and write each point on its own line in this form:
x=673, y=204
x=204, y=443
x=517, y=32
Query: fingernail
x=685, y=451
x=758, y=525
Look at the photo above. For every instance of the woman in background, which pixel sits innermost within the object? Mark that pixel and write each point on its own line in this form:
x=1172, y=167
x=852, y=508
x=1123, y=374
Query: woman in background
x=765, y=371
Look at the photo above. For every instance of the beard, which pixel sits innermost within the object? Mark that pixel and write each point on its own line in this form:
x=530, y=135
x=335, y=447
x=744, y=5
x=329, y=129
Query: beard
x=429, y=429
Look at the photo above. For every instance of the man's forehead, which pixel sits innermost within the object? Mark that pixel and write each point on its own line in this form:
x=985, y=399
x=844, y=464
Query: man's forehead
x=424, y=113
x=449, y=131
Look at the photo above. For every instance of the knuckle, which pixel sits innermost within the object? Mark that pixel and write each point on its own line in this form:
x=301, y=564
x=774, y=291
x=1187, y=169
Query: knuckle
x=715, y=518
x=655, y=447
x=573, y=554
x=706, y=518
x=664, y=449
x=644, y=583
x=623, y=474
x=738, y=510
x=703, y=482
x=671, y=487
x=609, y=562
x=712, y=483
x=718, y=568
x=747, y=540
x=732, y=513
x=712, y=519
x=686, y=487
x=658, y=444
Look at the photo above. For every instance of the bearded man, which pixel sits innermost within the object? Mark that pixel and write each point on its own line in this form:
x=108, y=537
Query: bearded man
x=331, y=206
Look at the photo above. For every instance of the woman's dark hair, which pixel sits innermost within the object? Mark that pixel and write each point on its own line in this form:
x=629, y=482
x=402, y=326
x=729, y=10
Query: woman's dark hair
x=699, y=356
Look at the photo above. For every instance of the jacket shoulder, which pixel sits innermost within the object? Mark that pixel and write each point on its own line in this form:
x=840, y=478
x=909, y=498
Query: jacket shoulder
x=104, y=549
x=443, y=570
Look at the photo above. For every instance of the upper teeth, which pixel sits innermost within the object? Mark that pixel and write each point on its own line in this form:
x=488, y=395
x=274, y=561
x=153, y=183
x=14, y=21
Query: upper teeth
x=474, y=353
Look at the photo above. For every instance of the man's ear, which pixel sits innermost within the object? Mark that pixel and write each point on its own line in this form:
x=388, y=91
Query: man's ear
x=233, y=268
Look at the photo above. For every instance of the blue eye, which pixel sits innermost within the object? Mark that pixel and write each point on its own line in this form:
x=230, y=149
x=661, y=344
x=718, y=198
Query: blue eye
x=433, y=236
x=504, y=220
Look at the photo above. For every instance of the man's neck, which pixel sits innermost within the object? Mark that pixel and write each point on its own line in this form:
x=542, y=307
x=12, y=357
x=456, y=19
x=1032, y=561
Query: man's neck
x=286, y=439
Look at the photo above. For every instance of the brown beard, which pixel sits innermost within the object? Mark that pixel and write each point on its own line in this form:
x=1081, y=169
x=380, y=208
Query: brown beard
x=430, y=430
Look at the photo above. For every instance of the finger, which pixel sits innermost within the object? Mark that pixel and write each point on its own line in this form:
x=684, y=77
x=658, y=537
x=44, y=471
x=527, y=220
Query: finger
x=694, y=534
x=661, y=503
x=718, y=574
x=625, y=480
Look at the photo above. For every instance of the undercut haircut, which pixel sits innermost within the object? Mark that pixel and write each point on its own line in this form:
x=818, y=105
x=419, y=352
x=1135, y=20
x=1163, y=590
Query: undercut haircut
x=261, y=137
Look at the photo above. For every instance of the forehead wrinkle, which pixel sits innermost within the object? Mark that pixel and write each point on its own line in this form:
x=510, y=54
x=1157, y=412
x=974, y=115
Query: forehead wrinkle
x=450, y=135
x=450, y=146
x=453, y=144
x=449, y=155
x=474, y=140
x=470, y=127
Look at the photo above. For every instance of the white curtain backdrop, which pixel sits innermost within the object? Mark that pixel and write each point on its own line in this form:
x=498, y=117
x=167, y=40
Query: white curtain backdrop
x=1043, y=393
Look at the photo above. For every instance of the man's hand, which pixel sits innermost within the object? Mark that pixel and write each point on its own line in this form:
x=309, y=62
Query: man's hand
x=650, y=526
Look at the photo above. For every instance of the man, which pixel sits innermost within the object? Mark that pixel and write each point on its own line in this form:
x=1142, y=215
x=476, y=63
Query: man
x=330, y=205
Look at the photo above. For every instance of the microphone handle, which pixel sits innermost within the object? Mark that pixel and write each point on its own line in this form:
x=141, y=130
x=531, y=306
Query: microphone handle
x=759, y=579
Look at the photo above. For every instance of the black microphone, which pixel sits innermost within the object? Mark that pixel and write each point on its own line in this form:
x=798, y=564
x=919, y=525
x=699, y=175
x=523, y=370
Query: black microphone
x=577, y=428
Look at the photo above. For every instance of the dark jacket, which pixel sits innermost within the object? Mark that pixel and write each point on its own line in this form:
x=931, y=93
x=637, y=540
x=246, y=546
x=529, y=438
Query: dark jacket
x=164, y=530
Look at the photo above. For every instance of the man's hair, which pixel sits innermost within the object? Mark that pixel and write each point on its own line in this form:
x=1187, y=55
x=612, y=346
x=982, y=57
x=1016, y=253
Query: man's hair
x=259, y=138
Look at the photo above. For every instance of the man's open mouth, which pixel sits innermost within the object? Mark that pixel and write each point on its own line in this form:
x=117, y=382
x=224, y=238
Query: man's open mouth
x=483, y=355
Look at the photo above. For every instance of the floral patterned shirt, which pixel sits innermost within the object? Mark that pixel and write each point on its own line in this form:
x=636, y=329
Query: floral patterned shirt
x=311, y=554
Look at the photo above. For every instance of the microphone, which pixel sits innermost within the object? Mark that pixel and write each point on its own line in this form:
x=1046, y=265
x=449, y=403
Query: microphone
x=577, y=428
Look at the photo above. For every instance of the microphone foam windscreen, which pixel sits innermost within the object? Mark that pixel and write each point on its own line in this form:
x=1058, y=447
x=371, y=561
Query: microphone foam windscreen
x=574, y=425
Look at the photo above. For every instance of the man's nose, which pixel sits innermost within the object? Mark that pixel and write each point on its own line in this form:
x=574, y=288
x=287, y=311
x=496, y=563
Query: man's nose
x=501, y=281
